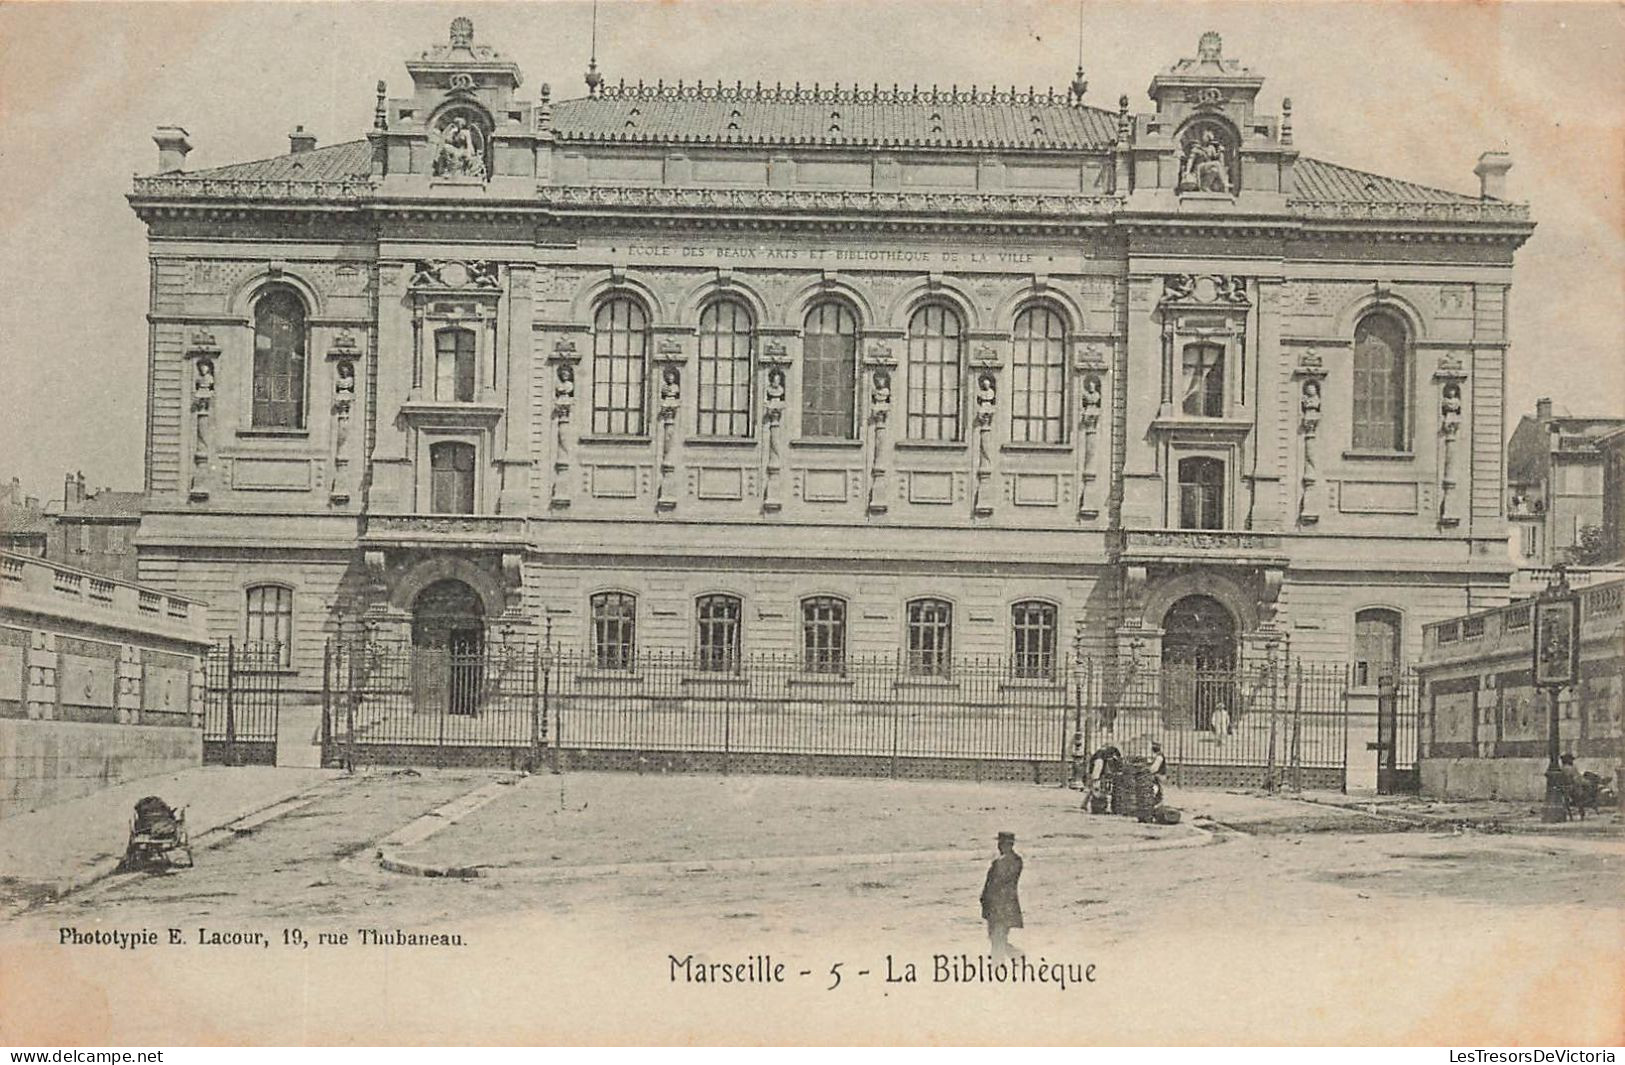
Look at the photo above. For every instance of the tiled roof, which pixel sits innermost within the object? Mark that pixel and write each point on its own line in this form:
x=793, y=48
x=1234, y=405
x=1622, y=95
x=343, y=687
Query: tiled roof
x=1317, y=180
x=946, y=118
x=336, y=162
x=17, y=520
x=703, y=120
x=108, y=504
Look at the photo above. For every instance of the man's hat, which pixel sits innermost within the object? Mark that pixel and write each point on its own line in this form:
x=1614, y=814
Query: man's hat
x=1011, y=836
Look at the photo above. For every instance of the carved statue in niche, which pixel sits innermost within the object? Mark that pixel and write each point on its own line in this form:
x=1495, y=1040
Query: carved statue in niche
x=461, y=151
x=773, y=416
x=1450, y=409
x=879, y=413
x=1449, y=429
x=343, y=402
x=564, y=396
x=1205, y=166
x=987, y=401
x=671, y=401
x=1090, y=402
x=1309, y=426
x=202, y=415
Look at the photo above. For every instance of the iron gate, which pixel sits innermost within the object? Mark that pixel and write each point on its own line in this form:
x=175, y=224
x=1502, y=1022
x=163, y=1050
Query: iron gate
x=242, y=699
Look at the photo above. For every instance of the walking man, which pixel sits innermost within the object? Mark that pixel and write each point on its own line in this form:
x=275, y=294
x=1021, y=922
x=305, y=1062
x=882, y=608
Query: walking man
x=1001, y=907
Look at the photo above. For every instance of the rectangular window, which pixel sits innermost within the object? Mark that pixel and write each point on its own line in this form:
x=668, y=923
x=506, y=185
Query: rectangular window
x=823, y=634
x=930, y=638
x=614, y=630
x=451, y=478
x=1528, y=540
x=269, y=630
x=1034, y=627
x=719, y=632
x=1204, y=381
x=1376, y=646
x=454, y=366
x=1201, y=493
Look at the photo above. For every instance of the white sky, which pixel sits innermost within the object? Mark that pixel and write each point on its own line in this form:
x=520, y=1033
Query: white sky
x=1412, y=90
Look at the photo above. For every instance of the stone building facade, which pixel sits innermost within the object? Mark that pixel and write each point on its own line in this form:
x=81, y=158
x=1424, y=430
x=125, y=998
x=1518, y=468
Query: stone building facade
x=826, y=371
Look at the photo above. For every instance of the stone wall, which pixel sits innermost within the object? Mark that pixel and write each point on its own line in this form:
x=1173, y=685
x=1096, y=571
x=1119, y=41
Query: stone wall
x=44, y=762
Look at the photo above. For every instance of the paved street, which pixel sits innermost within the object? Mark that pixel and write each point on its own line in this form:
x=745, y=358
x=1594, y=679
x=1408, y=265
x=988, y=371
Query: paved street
x=1298, y=922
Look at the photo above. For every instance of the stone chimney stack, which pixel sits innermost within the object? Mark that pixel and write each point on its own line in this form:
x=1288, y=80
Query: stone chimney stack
x=1492, y=175
x=172, y=148
x=300, y=141
x=1543, y=409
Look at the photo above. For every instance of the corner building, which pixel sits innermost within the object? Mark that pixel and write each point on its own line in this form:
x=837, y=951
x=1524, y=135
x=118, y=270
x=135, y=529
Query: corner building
x=825, y=371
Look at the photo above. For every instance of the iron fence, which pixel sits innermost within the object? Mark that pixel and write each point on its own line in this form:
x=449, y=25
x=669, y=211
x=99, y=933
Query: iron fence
x=242, y=698
x=1284, y=722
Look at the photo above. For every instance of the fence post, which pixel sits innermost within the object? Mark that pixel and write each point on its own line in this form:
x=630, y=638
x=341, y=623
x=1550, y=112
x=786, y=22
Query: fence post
x=1270, y=782
x=555, y=718
x=231, y=710
x=1297, y=727
x=349, y=710
x=327, y=698
x=727, y=729
x=535, y=707
x=896, y=726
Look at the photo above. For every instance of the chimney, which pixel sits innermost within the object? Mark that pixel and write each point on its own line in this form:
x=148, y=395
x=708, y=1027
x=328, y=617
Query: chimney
x=14, y=494
x=1543, y=409
x=1492, y=175
x=300, y=141
x=172, y=148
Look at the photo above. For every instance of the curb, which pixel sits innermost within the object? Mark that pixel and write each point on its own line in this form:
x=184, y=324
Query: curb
x=208, y=839
x=437, y=820
x=1190, y=837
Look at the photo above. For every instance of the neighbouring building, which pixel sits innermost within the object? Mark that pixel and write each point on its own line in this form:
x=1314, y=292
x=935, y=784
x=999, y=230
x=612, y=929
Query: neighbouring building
x=1484, y=724
x=24, y=528
x=1612, y=446
x=1556, y=466
x=734, y=368
x=101, y=681
x=95, y=530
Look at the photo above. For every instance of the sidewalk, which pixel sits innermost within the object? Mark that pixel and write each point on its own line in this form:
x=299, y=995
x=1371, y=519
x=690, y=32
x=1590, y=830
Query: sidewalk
x=48, y=852
x=1491, y=815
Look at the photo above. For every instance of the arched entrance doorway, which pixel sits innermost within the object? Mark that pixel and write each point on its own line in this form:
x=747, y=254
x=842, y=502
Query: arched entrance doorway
x=448, y=643
x=1199, y=660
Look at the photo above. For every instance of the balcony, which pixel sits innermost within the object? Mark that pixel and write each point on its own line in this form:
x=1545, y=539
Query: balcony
x=444, y=530
x=1223, y=546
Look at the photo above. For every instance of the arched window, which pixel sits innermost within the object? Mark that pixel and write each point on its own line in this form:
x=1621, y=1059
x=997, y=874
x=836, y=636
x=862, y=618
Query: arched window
x=1204, y=380
x=451, y=478
x=620, y=359
x=1038, y=378
x=454, y=366
x=726, y=345
x=269, y=630
x=1381, y=373
x=930, y=637
x=614, y=630
x=823, y=634
x=279, y=360
x=1201, y=493
x=1033, y=625
x=1376, y=645
x=935, y=360
x=719, y=618
x=829, y=371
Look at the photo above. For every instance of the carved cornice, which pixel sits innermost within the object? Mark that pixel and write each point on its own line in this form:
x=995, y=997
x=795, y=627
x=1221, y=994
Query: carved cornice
x=1359, y=211
x=986, y=204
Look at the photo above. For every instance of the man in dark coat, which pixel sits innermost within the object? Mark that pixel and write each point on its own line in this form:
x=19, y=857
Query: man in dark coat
x=1001, y=907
